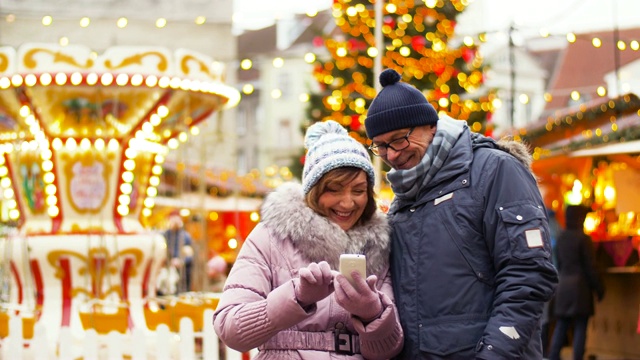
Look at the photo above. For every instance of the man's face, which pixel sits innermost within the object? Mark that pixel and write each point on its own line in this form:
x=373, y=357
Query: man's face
x=419, y=140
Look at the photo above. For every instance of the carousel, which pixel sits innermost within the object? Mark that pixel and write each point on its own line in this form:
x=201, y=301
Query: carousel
x=83, y=138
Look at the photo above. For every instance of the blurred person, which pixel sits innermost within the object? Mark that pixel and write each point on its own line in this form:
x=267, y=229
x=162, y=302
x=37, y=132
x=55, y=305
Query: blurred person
x=176, y=276
x=216, y=272
x=470, y=251
x=547, y=314
x=579, y=283
x=283, y=295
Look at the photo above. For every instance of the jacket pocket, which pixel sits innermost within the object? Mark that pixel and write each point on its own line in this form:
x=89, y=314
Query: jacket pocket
x=527, y=230
x=452, y=334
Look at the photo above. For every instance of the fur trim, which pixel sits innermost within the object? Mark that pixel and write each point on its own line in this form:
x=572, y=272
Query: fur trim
x=517, y=149
x=287, y=216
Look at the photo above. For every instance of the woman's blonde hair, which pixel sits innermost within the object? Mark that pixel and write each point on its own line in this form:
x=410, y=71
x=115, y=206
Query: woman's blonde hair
x=340, y=176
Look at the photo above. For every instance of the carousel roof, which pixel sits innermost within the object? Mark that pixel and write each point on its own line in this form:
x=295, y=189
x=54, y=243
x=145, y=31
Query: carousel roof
x=72, y=92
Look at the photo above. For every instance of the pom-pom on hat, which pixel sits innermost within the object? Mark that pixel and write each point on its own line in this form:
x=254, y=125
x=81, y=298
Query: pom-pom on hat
x=329, y=147
x=397, y=106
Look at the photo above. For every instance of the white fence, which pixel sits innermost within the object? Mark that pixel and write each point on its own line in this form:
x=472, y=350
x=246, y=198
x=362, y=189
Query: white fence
x=137, y=344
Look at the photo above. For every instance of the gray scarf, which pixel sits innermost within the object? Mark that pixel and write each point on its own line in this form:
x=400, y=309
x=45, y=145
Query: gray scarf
x=407, y=183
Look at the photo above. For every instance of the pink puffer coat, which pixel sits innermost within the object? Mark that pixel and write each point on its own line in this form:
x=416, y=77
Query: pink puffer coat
x=258, y=308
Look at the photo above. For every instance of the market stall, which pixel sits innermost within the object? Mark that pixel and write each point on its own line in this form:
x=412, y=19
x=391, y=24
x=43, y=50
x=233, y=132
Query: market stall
x=590, y=155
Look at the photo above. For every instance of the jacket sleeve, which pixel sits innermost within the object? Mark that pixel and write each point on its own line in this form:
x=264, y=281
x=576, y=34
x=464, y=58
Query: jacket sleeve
x=250, y=312
x=517, y=235
x=382, y=338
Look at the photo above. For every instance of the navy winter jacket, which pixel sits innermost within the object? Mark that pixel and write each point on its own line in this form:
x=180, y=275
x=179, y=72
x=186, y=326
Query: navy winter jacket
x=470, y=258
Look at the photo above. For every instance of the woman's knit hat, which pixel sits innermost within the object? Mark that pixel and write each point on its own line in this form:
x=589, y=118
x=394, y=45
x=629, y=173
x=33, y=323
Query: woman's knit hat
x=397, y=106
x=330, y=147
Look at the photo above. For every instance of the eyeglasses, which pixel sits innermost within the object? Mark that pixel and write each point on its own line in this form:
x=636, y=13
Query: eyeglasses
x=397, y=145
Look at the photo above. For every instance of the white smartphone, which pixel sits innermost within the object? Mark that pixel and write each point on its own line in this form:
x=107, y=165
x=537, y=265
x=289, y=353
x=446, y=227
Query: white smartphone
x=350, y=262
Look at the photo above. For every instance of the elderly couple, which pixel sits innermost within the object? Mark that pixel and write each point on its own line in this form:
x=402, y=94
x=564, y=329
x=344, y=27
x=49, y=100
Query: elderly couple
x=459, y=268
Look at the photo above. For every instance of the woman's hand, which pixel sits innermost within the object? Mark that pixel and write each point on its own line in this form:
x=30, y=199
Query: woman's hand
x=361, y=299
x=315, y=283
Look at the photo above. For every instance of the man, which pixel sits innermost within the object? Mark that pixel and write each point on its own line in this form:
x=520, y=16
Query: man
x=470, y=255
x=179, y=253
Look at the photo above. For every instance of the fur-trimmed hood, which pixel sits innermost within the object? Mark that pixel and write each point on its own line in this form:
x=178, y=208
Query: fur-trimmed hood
x=287, y=216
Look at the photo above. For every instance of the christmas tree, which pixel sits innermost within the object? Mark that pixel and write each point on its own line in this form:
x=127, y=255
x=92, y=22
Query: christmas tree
x=417, y=43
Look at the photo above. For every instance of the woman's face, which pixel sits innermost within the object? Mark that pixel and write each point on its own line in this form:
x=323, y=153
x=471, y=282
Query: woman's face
x=343, y=203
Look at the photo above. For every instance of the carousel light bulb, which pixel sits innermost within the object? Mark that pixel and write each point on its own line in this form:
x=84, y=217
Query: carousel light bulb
x=61, y=78
x=56, y=144
x=53, y=211
x=113, y=145
x=155, y=170
x=30, y=80
x=47, y=165
x=151, y=81
x=163, y=111
x=159, y=159
x=14, y=214
x=8, y=193
x=99, y=144
x=126, y=188
x=4, y=171
x=152, y=191
x=122, y=79
x=154, y=181
x=52, y=200
x=106, y=79
x=129, y=165
x=136, y=80
x=124, y=200
x=76, y=78
x=155, y=119
x=175, y=82
x=5, y=182
x=149, y=203
x=50, y=189
x=164, y=82
x=127, y=176
x=84, y=22
x=146, y=212
x=173, y=144
x=48, y=178
x=85, y=144
x=147, y=127
x=17, y=80
x=372, y=52
x=45, y=79
x=130, y=153
x=4, y=83
x=185, y=84
x=12, y=204
x=25, y=111
x=123, y=210
x=92, y=79
x=71, y=144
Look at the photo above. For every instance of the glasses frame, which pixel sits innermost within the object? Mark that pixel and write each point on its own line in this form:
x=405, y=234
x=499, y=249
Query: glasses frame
x=375, y=148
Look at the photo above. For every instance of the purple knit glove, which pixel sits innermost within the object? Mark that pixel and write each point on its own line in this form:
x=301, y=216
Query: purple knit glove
x=362, y=299
x=315, y=283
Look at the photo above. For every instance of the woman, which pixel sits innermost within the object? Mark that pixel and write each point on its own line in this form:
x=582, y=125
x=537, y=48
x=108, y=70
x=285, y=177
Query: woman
x=579, y=282
x=279, y=296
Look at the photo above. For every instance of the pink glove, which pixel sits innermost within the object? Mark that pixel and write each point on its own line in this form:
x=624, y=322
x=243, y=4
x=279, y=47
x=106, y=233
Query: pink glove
x=362, y=299
x=315, y=283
